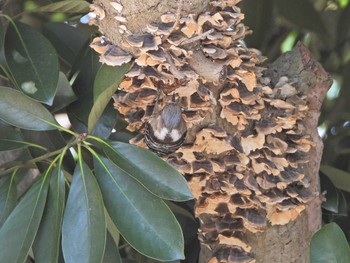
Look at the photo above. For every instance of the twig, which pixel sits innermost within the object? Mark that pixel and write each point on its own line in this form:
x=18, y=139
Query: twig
x=177, y=73
x=29, y=164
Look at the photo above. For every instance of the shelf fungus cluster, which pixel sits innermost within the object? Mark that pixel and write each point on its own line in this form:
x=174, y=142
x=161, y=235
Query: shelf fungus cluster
x=246, y=146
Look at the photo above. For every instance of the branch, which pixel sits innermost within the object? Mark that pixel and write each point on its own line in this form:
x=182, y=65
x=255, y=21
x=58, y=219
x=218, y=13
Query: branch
x=206, y=68
x=309, y=76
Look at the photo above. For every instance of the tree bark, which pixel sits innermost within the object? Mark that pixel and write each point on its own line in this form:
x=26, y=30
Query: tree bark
x=241, y=131
x=290, y=243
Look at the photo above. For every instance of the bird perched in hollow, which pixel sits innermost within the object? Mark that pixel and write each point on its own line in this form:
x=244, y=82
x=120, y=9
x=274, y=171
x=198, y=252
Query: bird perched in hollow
x=166, y=130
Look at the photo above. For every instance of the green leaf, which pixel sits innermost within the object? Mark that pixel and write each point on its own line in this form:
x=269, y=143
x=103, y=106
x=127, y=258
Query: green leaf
x=32, y=61
x=343, y=28
x=259, y=16
x=178, y=210
x=83, y=72
x=18, y=232
x=67, y=40
x=51, y=140
x=64, y=95
x=144, y=220
x=111, y=252
x=1, y=36
x=121, y=134
x=10, y=139
x=340, y=178
x=343, y=205
x=77, y=124
x=67, y=6
x=343, y=3
x=154, y=173
x=106, y=83
x=8, y=198
x=147, y=260
x=112, y=229
x=303, y=14
x=105, y=123
x=108, y=79
x=84, y=226
x=47, y=241
x=329, y=245
x=23, y=112
x=186, y=220
x=332, y=197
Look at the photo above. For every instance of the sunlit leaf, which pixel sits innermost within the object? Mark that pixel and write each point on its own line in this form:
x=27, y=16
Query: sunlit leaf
x=67, y=6
x=18, y=232
x=343, y=3
x=154, y=173
x=23, y=112
x=106, y=83
x=47, y=241
x=84, y=226
x=289, y=42
x=32, y=61
x=8, y=198
x=143, y=219
x=329, y=245
x=10, y=139
x=340, y=178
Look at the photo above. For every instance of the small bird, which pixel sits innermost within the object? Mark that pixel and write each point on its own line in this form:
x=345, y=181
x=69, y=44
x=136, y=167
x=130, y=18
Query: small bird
x=166, y=131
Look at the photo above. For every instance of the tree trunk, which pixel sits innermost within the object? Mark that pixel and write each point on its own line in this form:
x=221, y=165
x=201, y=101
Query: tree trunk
x=290, y=243
x=251, y=152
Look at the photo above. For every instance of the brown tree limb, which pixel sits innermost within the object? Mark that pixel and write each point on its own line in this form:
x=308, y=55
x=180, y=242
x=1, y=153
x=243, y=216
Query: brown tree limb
x=290, y=243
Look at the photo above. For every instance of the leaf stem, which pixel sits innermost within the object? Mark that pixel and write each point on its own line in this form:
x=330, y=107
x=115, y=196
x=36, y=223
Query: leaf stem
x=41, y=158
x=91, y=150
x=8, y=75
x=59, y=127
x=99, y=140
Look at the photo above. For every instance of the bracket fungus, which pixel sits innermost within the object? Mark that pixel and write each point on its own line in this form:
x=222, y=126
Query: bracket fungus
x=242, y=153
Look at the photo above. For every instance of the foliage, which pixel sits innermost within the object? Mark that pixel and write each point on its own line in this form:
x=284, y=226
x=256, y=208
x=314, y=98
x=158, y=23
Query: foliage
x=95, y=197
x=329, y=245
